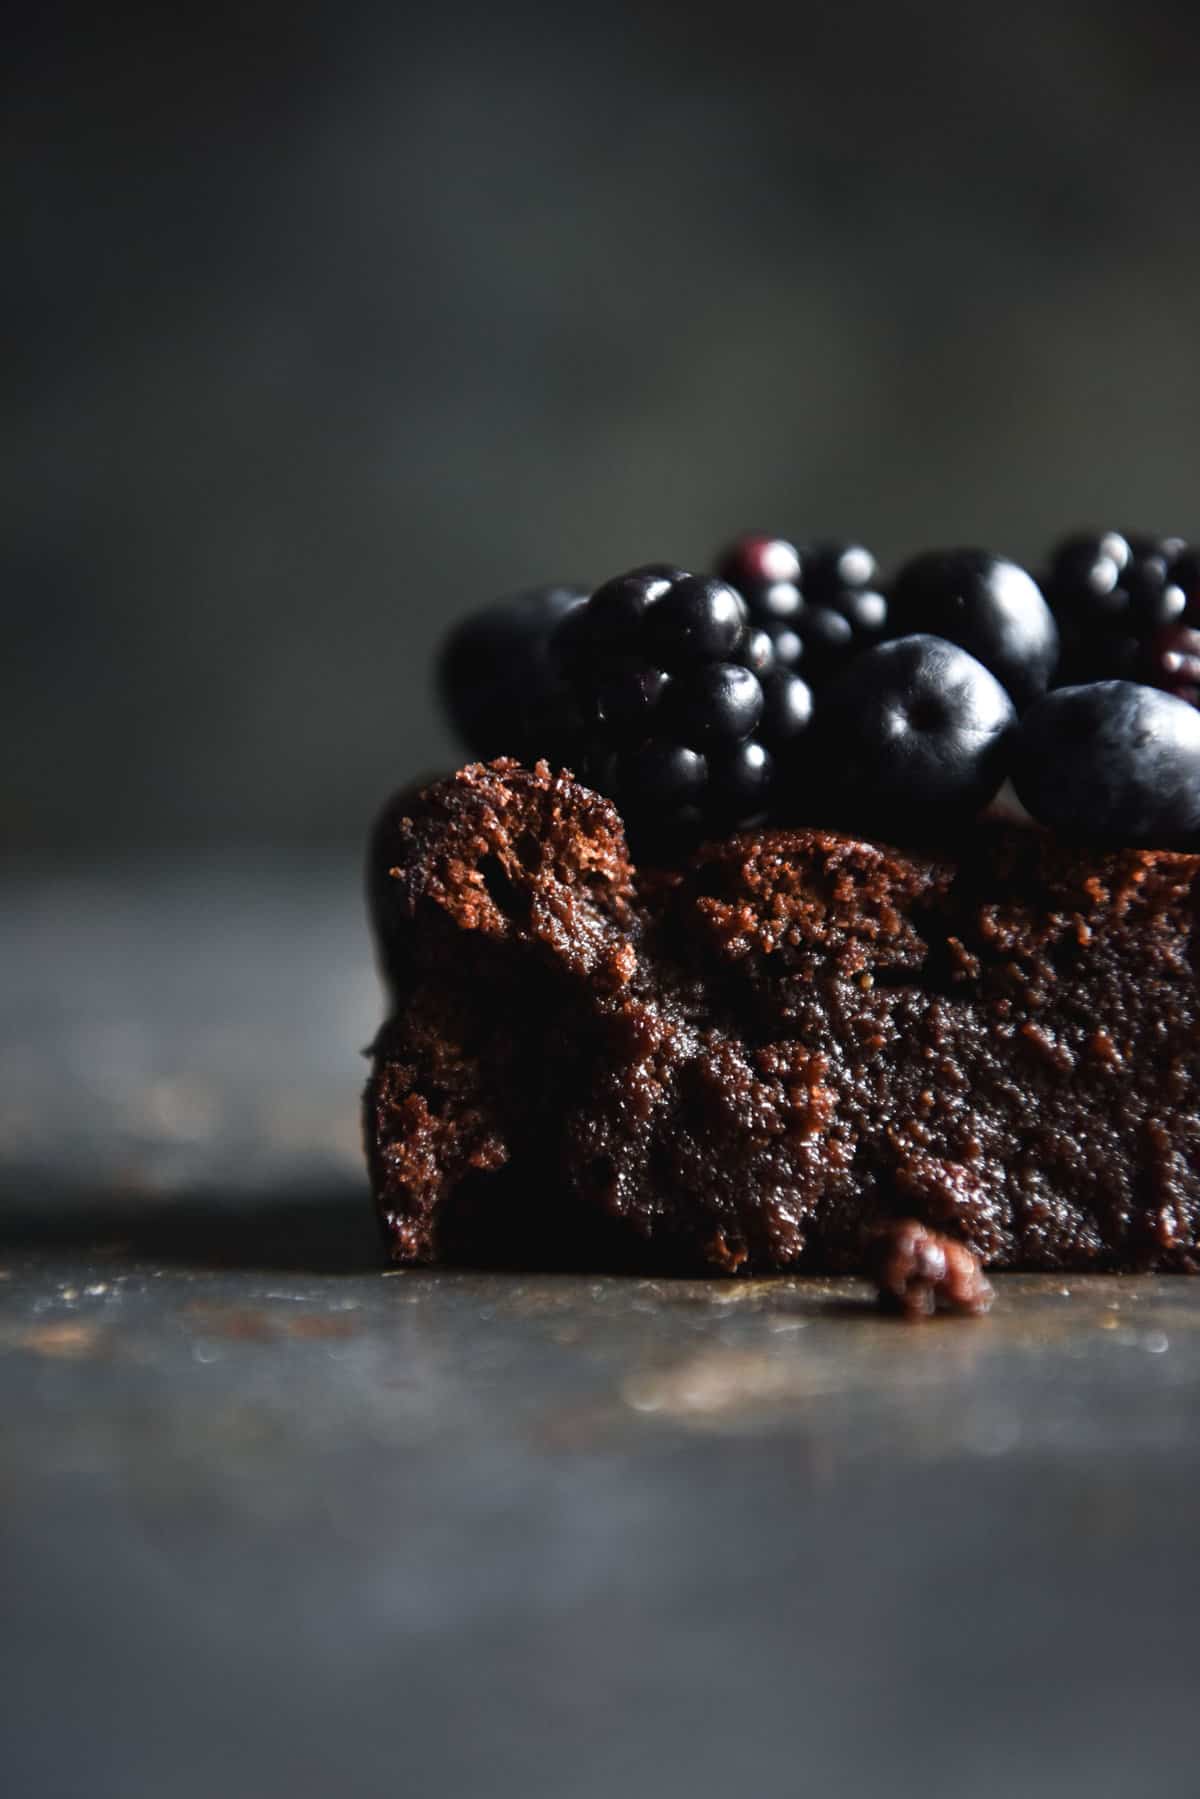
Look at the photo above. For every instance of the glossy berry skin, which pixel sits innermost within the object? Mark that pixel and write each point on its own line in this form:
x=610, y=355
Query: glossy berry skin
x=697, y=619
x=787, y=708
x=617, y=610
x=758, y=651
x=987, y=605
x=914, y=738
x=756, y=559
x=498, y=683
x=712, y=702
x=739, y=786
x=660, y=788
x=1111, y=762
x=625, y=698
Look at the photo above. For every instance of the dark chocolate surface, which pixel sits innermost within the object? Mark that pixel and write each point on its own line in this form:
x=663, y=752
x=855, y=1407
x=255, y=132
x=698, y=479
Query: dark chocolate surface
x=748, y=1063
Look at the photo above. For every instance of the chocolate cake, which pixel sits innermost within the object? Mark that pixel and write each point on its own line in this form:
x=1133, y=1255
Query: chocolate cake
x=764, y=1054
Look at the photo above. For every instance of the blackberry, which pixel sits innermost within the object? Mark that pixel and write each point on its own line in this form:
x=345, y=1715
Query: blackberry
x=499, y=685
x=1117, y=598
x=682, y=702
x=821, y=605
x=987, y=605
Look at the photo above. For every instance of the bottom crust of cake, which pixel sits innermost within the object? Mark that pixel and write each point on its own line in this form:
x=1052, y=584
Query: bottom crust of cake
x=762, y=1059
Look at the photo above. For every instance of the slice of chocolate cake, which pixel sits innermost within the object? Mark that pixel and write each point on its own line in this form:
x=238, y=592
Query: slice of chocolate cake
x=755, y=1059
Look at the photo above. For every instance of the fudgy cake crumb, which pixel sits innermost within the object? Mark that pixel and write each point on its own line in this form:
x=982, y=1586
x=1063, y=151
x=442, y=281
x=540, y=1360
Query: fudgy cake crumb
x=753, y=1060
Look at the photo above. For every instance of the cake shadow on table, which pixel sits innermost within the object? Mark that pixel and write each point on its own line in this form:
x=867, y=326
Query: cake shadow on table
x=328, y=1232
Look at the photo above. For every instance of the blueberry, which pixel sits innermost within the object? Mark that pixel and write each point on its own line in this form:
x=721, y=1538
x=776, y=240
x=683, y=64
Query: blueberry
x=988, y=606
x=698, y=619
x=914, y=737
x=739, y=787
x=758, y=560
x=787, y=708
x=712, y=702
x=1113, y=762
x=497, y=680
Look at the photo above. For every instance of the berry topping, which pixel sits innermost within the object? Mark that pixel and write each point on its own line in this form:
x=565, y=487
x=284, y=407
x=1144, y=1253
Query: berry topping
x=1113, y=595
x=915, y=736
x=1113, y=761
x=497, y=679
x=792, y=684
x=985, y=604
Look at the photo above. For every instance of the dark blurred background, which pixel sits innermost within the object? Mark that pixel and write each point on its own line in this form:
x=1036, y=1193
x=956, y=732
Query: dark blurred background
x=330, y=321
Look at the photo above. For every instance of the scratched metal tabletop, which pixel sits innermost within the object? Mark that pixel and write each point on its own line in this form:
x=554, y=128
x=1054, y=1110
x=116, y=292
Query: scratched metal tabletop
x=276, y=1520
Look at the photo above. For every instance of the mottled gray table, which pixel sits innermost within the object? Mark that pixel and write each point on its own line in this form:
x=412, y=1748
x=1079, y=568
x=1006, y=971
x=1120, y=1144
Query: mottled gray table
x=278, y=1521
